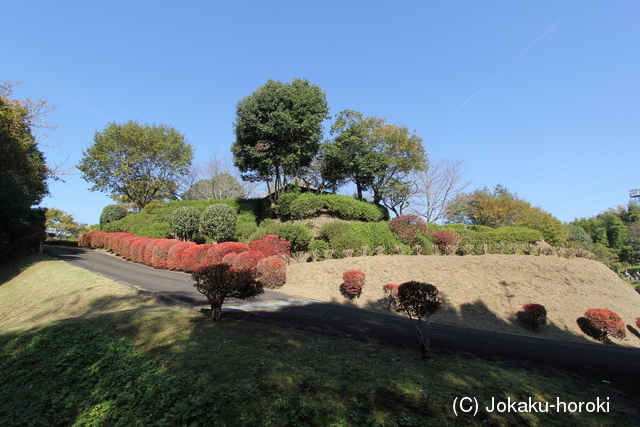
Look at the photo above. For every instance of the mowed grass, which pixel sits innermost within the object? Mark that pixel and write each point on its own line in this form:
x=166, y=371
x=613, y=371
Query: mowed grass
x=78, y=349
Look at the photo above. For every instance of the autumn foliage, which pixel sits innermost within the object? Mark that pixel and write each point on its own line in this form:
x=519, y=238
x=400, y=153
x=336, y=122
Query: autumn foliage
x=271, y=245
x=271, y=272
x=408, y=228
x=243, y=264
x=602, y=323
x=352, y=283
x=218, y=282
x=446, y=240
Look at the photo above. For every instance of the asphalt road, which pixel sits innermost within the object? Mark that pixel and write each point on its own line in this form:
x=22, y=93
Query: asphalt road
x=601, y=364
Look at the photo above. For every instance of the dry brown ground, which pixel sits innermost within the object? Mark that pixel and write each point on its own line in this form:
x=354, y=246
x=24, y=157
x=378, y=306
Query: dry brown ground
x=485, y=291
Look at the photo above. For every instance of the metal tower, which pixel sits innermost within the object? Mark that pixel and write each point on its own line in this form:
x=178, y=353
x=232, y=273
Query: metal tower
x=635, y=194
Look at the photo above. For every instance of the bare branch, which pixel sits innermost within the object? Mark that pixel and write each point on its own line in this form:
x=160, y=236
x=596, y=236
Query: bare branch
x=436, y=186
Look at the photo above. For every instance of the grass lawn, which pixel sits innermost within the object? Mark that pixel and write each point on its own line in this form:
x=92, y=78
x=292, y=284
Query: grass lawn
x=78, y=349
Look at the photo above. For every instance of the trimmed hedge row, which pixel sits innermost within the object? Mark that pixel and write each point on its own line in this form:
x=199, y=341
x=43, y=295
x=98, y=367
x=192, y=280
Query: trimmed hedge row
x=306, y=205
x=263, y=260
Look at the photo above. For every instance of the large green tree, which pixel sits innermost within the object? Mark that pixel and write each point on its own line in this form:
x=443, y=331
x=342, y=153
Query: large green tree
x=375, y=156
x=137, y=163
x=23, y=171
x=278, y=130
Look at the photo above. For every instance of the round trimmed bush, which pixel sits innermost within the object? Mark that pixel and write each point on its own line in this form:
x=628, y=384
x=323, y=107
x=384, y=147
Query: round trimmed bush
x=297, y=234
x=218, y=221
x=352, y=283
x=271, y=245
x=185, y=222
x=112, y=213
x=272, y=272
x=606, y=323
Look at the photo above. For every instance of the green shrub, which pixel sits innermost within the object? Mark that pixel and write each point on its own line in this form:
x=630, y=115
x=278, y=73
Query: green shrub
x=375, y=234
x=320, y=246
x=309, y=204
x=348, y=240
x=158, y=230
x=427, y=245
x=284, y=204
x=349, y=208
x=244, y=230
x=112, y=213
x=305, y=206
x=333, y=228
x=185, y=222
x=218, y=222
x=517, y=235
x=298, y=234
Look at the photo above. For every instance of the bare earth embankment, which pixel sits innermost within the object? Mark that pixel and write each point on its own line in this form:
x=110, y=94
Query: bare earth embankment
x=483, y=292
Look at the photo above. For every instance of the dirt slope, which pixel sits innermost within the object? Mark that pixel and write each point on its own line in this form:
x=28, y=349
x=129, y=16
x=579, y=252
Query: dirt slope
x=483, y=292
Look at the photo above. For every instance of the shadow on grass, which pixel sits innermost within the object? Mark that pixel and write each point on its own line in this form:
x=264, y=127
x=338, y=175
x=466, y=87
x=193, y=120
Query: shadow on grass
x=160, y=365
x=20, y=263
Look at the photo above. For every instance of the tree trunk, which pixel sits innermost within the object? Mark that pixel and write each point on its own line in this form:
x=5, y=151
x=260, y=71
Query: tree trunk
x=423, y=339
x=216, y=310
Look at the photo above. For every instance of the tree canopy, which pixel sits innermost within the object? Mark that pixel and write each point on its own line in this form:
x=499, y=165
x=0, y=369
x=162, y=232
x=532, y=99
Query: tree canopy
x=220, y=187
x=23, y=171
x=63, y=225
x=278, y=130
x=375, y=156
x=137, y=163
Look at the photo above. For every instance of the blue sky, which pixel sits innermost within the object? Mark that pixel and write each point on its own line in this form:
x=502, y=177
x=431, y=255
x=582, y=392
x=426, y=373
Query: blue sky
x=541, y=97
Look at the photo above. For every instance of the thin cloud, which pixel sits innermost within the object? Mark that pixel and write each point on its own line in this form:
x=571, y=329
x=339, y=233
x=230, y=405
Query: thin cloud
x=507, y=66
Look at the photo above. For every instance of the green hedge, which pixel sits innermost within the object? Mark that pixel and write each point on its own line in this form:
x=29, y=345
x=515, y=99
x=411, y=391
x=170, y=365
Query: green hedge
x=309, y=204
x=517, y=235
x=358, y=234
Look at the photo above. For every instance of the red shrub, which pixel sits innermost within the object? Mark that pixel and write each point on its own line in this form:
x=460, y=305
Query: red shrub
x=408, y=228
x=138, y=249
x=353, y=282
x=174, y=256
x=217, y=252
x=228, y=258
x=92, y=239
x=148, y=251
x=193, y=257
x=32, y=241
x=246, y=262
x=606, y=322
x=113, y=241
x=216, y=282
x=271, y=245
x=533, y=315
x=126, y=246
x=272, y=272
x=160, y=252
x=638, y=322
x=446, y=240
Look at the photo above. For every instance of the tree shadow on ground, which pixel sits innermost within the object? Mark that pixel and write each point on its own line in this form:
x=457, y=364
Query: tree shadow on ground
x=249, y=369
x=23, y=261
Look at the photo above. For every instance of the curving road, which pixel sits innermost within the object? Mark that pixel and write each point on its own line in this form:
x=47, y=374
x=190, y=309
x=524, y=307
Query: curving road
x=600, y=363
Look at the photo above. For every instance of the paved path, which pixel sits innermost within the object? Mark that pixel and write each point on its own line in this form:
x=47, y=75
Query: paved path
x=601, y=364
x=173, y=285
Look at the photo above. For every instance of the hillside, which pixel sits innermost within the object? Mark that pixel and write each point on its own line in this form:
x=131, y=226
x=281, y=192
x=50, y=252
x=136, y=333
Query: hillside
x=483, y=292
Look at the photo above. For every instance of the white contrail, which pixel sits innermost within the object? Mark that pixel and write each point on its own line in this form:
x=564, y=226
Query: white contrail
x=507, y=66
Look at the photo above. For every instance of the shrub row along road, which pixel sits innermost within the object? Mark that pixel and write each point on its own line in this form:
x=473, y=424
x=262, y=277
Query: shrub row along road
x=600, y=363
